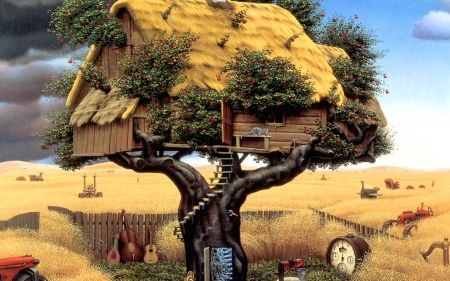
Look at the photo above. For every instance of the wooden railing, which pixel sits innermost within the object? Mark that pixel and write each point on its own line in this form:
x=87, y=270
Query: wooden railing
x=358, y=228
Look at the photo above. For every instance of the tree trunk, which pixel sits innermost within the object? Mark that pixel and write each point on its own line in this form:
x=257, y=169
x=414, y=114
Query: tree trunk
x=208, y=217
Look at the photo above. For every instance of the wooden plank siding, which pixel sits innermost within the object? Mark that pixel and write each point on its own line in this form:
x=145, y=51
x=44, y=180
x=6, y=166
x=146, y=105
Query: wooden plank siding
x=296, y=127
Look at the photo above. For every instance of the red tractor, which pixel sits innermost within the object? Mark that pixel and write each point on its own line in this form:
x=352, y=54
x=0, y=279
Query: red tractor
x=408, y=216
x=20, y=269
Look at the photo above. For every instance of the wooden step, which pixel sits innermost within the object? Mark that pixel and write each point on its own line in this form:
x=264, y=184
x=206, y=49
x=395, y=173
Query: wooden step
x=223, y=172
x=224, y=166
x=218, y=184
x=221, y=180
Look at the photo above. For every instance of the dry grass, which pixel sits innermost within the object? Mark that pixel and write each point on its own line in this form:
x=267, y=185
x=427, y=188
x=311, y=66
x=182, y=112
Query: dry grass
x=291, y=236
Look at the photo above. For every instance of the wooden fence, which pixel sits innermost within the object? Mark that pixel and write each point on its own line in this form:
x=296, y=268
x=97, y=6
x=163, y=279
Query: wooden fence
x=28, y=220
x=359, y=228
x=99, y=229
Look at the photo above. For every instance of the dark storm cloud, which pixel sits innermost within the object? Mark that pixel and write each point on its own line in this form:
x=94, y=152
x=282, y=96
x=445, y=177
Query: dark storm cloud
x=25, y=26
x=19, y=121
x=17, y=124
x=24, y=83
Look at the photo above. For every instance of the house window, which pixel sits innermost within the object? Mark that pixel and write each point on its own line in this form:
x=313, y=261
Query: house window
x=276, y=120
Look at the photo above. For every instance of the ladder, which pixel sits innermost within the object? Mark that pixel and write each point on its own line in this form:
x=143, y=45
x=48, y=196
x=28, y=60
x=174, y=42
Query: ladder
x=224, y=170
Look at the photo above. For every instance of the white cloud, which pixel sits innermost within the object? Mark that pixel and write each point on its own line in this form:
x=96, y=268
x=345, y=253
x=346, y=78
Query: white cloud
x=435, y=26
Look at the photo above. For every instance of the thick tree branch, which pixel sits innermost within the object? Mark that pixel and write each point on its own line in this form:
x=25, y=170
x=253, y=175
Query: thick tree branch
x=267, y=177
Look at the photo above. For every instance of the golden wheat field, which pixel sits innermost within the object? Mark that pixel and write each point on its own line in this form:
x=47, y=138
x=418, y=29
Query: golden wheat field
x=64, y=255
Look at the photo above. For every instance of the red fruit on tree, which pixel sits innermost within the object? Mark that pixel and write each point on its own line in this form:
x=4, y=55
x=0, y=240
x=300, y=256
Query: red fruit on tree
x=356, y=16
x=387, y=91
x=54, y=31
x=69, y=61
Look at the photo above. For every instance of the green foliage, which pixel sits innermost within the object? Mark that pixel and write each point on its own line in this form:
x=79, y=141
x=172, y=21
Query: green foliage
x=160, y=119
x=317, y=271
x=359, y=81
x=61, y=136
x=345, y=152
x=168, y=11
x=353, y=111
x=384, y=142
x=156, y=68
x=265, y=86
x=223, y=40
x=96, y=77
x=239, y=18
x=61, y=85
x=291, y=39
x=140, y=271
x=199, y=118
x=307, y=12
x=357, y=41
x=80, y=21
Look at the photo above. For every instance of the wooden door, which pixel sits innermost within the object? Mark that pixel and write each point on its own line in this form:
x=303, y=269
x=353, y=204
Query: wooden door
x=227, y=123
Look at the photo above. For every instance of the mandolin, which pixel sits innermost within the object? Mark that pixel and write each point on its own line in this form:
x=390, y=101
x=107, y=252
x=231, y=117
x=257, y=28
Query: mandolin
x=130, y=251
x=150, y=255
x=113, y=256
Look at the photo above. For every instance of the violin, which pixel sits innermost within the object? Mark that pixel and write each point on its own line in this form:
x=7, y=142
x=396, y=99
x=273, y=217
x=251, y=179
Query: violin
x=130, y=251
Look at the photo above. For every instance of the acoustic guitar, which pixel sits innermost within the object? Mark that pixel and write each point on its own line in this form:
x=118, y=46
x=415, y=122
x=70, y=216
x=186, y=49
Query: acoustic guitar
x=130, y=251
x=113, y=256
x=150, y=255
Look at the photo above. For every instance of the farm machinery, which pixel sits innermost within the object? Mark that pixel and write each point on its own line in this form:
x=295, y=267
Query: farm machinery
x=371, y=193
x=390, y=184
x=36, y=178
x=89, y=191
x=20, y=269
x=408, y=217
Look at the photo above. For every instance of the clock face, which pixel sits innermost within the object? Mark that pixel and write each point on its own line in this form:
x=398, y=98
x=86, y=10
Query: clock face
x=342, y=257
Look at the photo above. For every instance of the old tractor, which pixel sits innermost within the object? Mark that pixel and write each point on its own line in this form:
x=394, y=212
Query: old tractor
x=90, y=191
x=36, y=178
x=20, y=269
x=409, y=216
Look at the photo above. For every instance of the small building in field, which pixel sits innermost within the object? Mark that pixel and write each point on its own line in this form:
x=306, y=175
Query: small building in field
x=103, y=123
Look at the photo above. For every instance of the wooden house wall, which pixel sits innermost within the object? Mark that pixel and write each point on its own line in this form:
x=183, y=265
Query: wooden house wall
x=296, y=127
x=98, y=140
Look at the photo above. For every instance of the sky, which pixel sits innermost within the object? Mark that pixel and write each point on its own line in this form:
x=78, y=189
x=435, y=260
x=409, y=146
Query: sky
x=414, y=34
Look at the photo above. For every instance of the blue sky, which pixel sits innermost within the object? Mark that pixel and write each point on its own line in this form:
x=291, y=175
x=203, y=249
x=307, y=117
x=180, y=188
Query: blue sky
x=416, y=35
x=418, y=70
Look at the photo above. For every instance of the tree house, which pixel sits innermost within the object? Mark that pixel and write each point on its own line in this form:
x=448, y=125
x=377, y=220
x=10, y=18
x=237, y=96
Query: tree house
x=103, y=123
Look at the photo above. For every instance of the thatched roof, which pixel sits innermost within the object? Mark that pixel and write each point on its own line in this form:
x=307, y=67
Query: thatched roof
x=102, y=108
x=268, y=27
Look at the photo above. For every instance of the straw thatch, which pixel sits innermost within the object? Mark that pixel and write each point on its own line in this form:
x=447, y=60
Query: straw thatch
x=101, y=108
x=268, y=27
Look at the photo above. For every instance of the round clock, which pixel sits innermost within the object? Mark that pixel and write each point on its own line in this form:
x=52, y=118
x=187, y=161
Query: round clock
x=344, y=253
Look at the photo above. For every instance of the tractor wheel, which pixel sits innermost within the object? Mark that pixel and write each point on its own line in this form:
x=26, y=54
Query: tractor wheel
x=24, y=276
x=81, y=195
x=99, y=194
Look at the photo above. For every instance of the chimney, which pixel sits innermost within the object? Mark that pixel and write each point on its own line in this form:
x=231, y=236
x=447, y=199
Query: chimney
x=223, y=4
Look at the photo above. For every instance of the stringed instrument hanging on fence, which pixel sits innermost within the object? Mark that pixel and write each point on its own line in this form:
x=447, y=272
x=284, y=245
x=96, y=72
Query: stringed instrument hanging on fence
x=130, y=251
x=151, y=250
